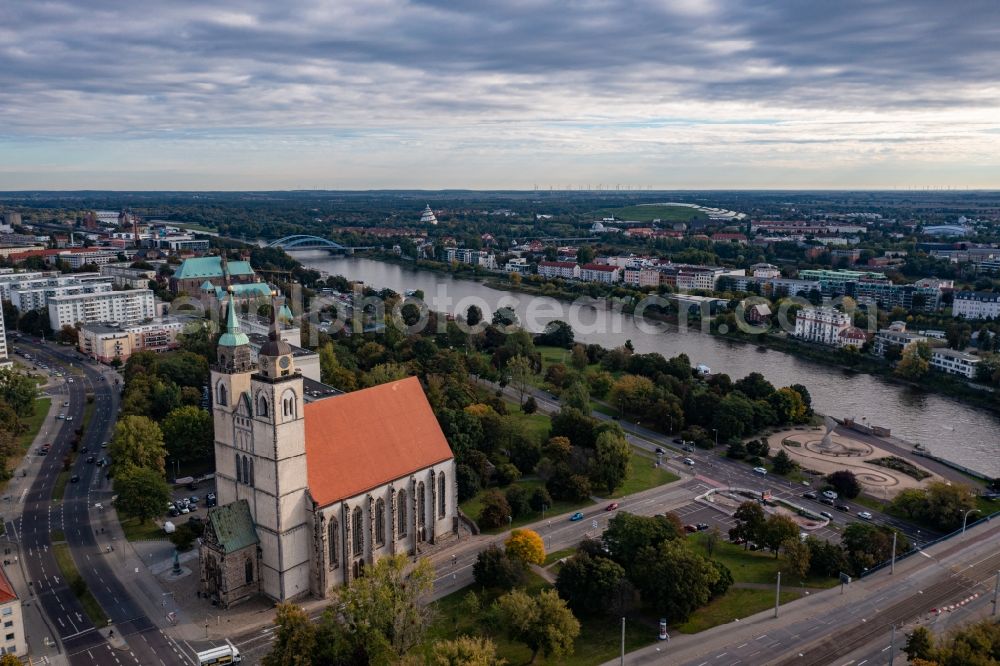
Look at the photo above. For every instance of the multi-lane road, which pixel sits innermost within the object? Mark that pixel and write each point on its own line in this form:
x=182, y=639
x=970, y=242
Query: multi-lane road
x=135, y=638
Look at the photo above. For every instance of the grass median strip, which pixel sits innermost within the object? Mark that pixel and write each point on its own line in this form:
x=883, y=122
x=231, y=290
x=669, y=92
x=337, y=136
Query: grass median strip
x=79, y=586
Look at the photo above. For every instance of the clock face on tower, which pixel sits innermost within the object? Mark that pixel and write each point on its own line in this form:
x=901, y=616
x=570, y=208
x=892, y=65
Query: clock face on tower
x=284, y=362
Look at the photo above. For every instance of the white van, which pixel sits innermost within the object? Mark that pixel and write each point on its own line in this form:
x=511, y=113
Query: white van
x=224, y=654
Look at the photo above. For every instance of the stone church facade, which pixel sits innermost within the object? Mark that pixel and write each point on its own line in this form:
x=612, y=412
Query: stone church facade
x=314, y=493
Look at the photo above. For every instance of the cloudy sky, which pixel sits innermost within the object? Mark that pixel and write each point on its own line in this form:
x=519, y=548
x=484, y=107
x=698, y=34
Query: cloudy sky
x=253, y=94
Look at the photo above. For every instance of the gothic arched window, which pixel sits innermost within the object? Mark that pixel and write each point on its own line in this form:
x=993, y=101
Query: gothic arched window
x=222, y=396
x=441, y=496
x=333, y=538
x=246, y=470
x=357, y=529
x=251, y=472
x=380, y=522
x=262, y=406
x=421, y=505
x=239, y=470
x=401, y=512
x=248, y=570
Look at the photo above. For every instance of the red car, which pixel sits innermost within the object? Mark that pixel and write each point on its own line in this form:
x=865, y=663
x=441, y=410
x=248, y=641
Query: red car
x=690, y=528
x=611, y=507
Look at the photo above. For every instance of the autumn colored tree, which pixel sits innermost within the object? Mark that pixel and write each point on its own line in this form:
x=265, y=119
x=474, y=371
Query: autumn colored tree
x=526, y=546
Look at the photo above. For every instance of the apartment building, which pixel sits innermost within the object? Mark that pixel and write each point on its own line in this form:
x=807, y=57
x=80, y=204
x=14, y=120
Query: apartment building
x=559, y=269
x=123, y=307
x=517, y=265
x=126, y=277
x=11, y=279
x=895, y=336
x=822, y=325
x=600, y=273
x=105, y=342
x=976, y=305
x=11, y=615
x=955, y=362
x=641, y=276
x=835, y=282
x=36, y=295
x=469, y=256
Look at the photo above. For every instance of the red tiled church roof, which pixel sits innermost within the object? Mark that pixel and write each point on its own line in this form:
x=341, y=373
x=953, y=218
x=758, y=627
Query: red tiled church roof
x=7, y=592
x=365, y=439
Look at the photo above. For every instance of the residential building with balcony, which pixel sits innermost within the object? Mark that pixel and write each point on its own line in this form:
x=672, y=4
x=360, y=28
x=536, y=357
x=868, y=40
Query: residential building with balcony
x=517, y=265
x=123, y=307
x=822, y=325
x=895, y=336
x=955, y=362
x=105, y=342
x=600, y=273
x=126, y=277
x=35, y=295
x=559, y=269
x=976, y=305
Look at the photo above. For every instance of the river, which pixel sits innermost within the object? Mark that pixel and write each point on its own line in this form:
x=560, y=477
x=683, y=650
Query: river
x=947, y=427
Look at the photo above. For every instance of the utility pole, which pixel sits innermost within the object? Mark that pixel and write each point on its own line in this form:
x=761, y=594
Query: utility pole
x=892, y=644
x=623, y=642
x=777, y=595
x=892, y=565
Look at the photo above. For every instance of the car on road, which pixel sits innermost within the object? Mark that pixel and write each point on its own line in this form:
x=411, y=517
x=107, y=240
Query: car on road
x=69, y=418
x=91, y=459
x=173, y=512
x=830, y=494
x=702, y=527
x=689, y=462
x=690, y=528
x=677, y=440
x=576, y=516
x=69, y=380
x=760, y=470
x=688, y=448
x=611, y=507
x=66, y=404
x=826, y=500
x=104, y=445
x=864, y=515
x=827, y=515
x=843, y=507
x=810, y=495
x=74, y=478
x=61, y=417
x=660, y=450
x=43, y=451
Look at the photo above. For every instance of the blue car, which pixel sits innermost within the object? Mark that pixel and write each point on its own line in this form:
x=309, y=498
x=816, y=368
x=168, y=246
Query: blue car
x=576, y=516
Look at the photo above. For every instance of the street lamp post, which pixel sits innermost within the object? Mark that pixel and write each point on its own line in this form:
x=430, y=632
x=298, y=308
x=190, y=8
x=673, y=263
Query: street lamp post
x=716, y=431
x=965, y=518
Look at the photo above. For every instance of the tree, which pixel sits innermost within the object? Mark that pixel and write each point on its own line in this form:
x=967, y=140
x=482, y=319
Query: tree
x=866, y=545
x=525, y=546
x=940, y=504
x=540, y=499
x=797, y=556
x=68, y=335
x=750, y=519
x=494, y=568
x=845, y=483
x=576, y=426
x=473, y=315
x=138, y=442
x=142, y=492
x=521, y=372
x=783, y=463
x=189, y=433
x=825, y=558
x=914, y=362
x=578, y=357
x=530, y=405
x=674, y=580
x=777, y=530
x=612, y=461
x=576, y=395
x=10, y=660
x=628, y=535
x=504, y=317
x=557, y=334
x=544, y=623
x=919, y=644
x=584, y=254
x=294, y=640
x=19, y=391
x=589, y=583
x=465, y=651
x=736, y=450
x=496, y=511
x=712, y=539
x=754, y=386
x=468, y=482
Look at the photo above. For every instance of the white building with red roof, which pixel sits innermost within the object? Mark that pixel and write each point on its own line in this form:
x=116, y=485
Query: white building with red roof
x=311, y=494
x=12, y=640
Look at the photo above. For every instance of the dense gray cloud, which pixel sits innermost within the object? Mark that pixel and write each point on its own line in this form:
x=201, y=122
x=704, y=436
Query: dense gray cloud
x=720, y=79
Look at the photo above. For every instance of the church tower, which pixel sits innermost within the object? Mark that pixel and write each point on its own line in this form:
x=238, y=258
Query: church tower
x=276, y=473
x=230, y=385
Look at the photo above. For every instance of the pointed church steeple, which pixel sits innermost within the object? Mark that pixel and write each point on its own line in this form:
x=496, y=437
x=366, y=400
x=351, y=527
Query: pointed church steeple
x=234, y=345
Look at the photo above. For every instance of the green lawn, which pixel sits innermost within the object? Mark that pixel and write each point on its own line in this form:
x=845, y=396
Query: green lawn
x=59, y=488
x=57, y=535
x=88, y=412
x=72, y=577
x=32, y=425
x=598, y=642
x=537, y=424
x=755, y=566
x=653, y=212
x=136, y=532
x=736, y=603
x=473, y=507
x=644, y=476
x=556, y=555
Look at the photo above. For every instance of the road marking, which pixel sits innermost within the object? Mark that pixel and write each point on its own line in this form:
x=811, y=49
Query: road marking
x=761, y=637
x=741, y=646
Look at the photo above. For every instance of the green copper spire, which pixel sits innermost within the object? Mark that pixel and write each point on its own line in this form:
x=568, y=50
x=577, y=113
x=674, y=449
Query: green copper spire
x=233, y=337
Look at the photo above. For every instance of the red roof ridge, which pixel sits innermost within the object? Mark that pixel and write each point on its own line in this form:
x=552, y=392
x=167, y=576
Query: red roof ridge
x=7, y=592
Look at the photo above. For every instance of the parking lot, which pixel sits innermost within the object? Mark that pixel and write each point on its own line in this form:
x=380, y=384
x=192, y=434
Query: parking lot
x=696, y=512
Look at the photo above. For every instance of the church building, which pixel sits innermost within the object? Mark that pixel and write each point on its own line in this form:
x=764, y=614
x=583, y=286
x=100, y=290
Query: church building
x=312, y=493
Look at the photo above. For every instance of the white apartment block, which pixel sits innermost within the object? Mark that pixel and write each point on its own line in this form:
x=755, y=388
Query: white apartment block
x=106, y=343
x=954, y=362
x=976, y=305
x=822, y=325
x=77, y=259
x=10, y=279
x=517, y=265
x=122, y=307
x=13, y=637
x=895, y=336
x=704, y=277
x=765, y=271
x=470, y=256
x=600, y=273
x=36, y=295
x=559, y=269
